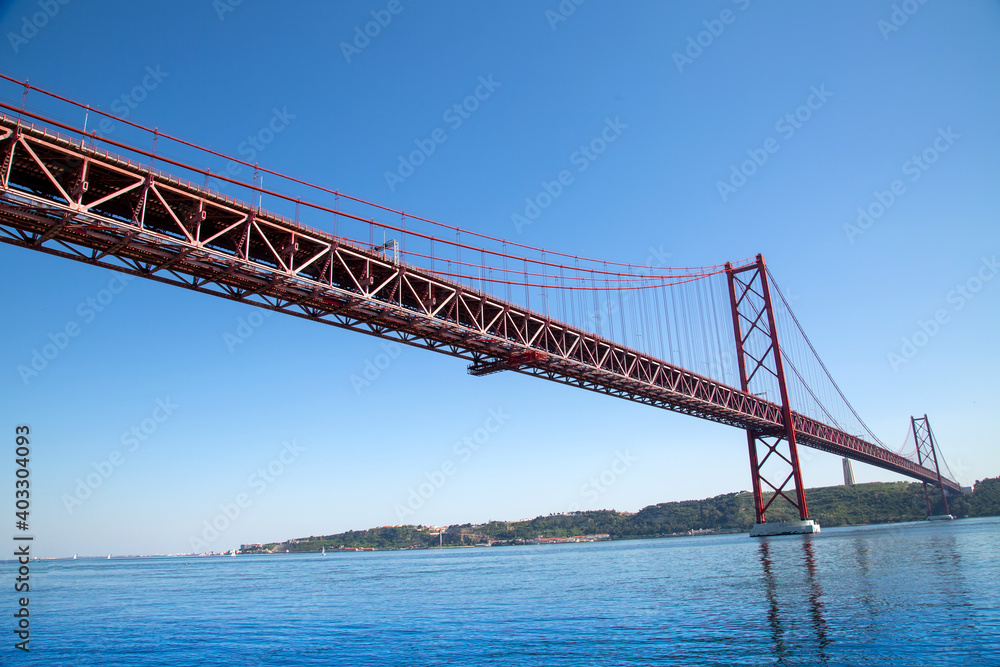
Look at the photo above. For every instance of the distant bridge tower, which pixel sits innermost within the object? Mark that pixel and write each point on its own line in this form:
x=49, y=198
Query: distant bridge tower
x=757, y=351
x=927, y=453
x=848, y=472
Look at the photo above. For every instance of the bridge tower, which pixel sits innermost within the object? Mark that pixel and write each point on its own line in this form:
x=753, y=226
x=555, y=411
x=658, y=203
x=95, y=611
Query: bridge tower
x=774, y=457
x=927, y=453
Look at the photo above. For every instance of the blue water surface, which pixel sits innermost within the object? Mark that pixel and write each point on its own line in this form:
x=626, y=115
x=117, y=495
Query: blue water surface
x=907, y=594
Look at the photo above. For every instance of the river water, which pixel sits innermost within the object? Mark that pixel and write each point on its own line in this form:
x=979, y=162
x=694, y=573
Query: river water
x=907, y=594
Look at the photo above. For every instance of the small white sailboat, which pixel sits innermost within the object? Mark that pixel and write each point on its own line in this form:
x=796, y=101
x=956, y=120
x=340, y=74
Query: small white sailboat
x=324, y=550
x=74, y=556
x=109, y=556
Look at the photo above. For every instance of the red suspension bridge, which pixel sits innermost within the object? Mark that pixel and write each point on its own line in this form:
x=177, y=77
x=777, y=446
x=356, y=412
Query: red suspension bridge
x=717, y=342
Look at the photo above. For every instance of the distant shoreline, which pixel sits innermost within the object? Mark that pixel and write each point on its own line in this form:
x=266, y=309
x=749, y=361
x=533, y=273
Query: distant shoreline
x=869, y=504
x=445, y=547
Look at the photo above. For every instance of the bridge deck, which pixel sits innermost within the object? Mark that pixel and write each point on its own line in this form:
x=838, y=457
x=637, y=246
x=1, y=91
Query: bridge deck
x=66, y=199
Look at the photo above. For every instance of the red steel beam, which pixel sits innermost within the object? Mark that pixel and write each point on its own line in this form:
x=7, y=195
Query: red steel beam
x=131, y=219
x=754, y=295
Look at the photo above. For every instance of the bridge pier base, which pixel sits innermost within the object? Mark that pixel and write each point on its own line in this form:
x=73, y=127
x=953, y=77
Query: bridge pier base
x=806, y=527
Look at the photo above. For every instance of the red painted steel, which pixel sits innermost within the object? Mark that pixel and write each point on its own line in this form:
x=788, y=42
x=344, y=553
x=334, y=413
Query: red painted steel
x=514, y=362
x=750, y=300
x=71, y=200
x=926, y=451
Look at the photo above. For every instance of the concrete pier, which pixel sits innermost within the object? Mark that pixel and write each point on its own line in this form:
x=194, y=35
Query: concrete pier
x=785, y=528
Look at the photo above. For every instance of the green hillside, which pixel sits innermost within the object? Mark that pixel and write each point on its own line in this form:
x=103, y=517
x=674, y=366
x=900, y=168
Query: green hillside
x=733, y=512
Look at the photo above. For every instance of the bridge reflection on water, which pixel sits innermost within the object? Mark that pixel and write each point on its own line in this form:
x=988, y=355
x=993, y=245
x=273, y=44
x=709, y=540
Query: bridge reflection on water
x=772, y=590
x=866, y=594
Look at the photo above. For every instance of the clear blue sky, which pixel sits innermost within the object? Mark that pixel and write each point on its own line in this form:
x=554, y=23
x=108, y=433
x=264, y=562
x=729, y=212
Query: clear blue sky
x=885, y=96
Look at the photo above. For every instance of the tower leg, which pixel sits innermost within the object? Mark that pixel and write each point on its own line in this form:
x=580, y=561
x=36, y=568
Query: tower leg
x=927, y=453
x=774, y=457
x=758, y=498
x=781, y=481
x=927, y=499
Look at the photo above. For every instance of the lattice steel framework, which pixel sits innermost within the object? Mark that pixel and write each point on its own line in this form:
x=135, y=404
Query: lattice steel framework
x=926, y=452
x=758, y=352
x=64, y=198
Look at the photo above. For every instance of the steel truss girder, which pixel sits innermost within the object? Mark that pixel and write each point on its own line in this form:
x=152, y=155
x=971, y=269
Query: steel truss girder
x=149, y=224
